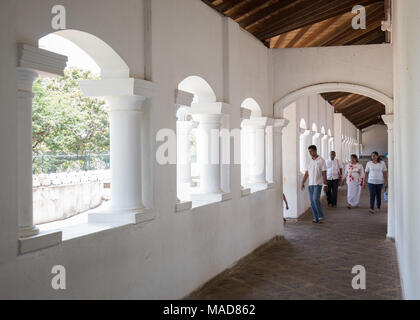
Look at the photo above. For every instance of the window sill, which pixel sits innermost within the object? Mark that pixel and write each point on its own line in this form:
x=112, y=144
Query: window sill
x=200, y=200
x=82, y=225
x=245, y=192
x=183, y=206
x=257, y=187
x=43, y=240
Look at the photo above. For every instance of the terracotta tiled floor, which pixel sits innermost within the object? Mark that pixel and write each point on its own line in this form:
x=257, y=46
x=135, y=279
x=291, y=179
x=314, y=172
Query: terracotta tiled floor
x=315, y=261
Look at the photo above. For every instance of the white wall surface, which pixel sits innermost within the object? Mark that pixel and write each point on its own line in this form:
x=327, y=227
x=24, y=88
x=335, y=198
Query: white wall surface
x=176, y=252
x=369, y=66
x=313, y=110
x=375, y=138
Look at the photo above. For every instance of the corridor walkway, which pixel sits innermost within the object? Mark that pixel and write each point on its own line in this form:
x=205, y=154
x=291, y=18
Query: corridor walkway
x=315, y=261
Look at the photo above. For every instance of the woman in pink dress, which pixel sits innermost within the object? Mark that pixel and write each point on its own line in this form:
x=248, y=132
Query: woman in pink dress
x=353, y=174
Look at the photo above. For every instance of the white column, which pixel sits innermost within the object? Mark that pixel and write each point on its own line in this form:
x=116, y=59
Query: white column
x=183, y=172
x=26, y=78
x=257, y=154
x=269, y=154
x=277, y=131
x=389, y=121
x=208, y=152
x=125, y=98
x=406, y=44
x=125, y=148
x=31, y=63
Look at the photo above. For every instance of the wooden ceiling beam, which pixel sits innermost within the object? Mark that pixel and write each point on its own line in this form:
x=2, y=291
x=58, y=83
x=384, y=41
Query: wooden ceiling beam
x=247, y=8
x=280, y=40
x=358, y=111
x=348, y=101
x=369, y=37
x=368, y=123
x=294, y=17
x=227, y=5
x=261, y=14
x=373, y=15
x=319, y=31
x=302, y=15
x=355, y=107
x=298, y=37
x=331, y=96
x=367, y=115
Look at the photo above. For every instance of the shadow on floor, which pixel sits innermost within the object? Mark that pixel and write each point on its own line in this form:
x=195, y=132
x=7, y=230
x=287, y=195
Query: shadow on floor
x=315, y=261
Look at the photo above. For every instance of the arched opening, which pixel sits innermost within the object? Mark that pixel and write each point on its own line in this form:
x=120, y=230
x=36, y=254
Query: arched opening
x=191, y=149
x=256, y=148
x=341, y=101
x=72, y=132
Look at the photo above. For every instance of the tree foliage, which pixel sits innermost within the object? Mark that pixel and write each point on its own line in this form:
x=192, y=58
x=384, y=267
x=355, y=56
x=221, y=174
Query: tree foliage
x=66, y=123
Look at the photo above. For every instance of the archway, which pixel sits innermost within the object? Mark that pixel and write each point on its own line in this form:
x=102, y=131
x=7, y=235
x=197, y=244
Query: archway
x=333, y=87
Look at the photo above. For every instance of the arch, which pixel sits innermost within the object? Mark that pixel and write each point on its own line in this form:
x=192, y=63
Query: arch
x=329, y=132
x=199, y=87
x=302, y=124
x=314, y=127
x=323, y=130
x=110, y=63
x=251, y=104
x=332, y=87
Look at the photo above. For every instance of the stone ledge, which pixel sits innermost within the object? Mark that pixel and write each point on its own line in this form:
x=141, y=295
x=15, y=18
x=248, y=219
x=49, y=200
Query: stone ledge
x=40, y=241
x=133, y=216
x=183, y=206
x=245, y=192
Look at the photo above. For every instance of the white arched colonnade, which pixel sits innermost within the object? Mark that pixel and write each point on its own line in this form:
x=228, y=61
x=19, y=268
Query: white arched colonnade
x=388, y=119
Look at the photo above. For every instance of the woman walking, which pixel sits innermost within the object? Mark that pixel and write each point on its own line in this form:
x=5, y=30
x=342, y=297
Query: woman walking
x=376, y=176
x=353, y=174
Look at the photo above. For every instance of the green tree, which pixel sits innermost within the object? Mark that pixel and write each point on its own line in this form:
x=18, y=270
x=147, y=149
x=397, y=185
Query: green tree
x=66, y=123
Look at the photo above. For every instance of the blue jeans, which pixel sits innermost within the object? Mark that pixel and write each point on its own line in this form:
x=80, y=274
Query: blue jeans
x=375, y=191
x=315, y=197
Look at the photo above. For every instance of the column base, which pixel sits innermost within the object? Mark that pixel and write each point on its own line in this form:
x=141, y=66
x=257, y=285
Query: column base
x=40, y=241
x=127, y=216
x=25, y=232
x=391, y=238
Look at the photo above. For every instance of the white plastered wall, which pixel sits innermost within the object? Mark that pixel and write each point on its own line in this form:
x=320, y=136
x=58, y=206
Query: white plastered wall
x=313, y=110
x=176, y=252
x=375, y=138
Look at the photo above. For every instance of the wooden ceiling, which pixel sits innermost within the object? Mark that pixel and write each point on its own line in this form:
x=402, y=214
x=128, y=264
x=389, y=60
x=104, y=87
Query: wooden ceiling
x=306, y=23
x=360, y=110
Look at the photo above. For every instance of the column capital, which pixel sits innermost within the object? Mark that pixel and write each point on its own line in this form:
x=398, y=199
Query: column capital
x=183, y=114
x=183, y=98
x=258, y=122
x=43, y=62
x=119, y=87
x=389, y=120
x=245, y=113
x=281, y=123
x=125, y=94
x=25, y=80
x=210, y=108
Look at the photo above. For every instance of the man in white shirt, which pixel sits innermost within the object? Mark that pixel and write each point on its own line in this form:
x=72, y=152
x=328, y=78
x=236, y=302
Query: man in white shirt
x=334, y=174
x=317, y=173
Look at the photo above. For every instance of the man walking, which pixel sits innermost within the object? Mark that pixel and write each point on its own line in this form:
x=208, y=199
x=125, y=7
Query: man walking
x=334, y=174
x=317, y=173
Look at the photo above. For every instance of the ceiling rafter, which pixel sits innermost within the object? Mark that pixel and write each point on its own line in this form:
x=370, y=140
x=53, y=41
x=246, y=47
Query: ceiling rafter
x=305, y=23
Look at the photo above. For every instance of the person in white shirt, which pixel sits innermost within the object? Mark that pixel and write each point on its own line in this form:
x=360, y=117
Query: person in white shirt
x=376, y=176
x=334, y=173
x=317, y=173
x=354, y=175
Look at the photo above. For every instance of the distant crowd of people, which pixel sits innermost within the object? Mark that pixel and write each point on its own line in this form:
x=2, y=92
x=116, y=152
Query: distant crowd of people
x=328, y=174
